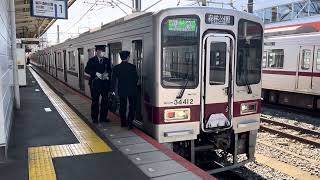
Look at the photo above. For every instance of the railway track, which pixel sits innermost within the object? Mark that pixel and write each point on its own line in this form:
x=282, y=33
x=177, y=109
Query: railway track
x=290, y=131
x=293, y=109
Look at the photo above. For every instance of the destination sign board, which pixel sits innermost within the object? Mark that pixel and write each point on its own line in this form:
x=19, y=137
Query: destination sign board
x=57, y=9
x=219, y=19
x=182, y=24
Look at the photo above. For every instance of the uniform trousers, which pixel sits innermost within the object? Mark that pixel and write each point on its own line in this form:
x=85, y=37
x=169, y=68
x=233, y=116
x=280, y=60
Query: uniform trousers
x=99, y=88
x=123, y=110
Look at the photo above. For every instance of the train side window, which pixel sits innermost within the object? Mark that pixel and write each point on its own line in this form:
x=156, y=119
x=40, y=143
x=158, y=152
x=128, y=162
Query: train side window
x=218, y=63
x=318, y=60
x=137, y=56
x=72, y=61
x=264, y=59
x=60, y=60
x=114, y=49
x=274, y=14
x=275, y=58
x=91, y=53
x=267, y=15
x=306, y=59
x=300, y=9
x=284, y=12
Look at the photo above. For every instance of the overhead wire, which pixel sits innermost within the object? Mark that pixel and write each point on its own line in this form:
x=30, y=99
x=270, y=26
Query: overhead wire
x=82, y=16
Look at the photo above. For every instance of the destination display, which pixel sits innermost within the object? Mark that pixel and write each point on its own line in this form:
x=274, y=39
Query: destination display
x=219, y=19
x=49, y=8
x=182, y=24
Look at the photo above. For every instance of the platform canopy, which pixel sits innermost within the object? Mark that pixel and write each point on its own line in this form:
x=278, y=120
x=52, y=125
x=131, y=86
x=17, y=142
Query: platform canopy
x=28, y=26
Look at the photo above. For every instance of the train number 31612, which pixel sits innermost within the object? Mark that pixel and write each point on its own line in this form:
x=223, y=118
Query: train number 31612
x=183, y=101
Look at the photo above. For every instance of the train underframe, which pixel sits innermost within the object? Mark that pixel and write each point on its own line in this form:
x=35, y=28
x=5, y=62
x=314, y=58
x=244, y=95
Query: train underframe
x=299, y=100
x=217, y=152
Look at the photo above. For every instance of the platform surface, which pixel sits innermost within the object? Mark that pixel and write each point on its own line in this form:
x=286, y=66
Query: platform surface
x=68, y=153
x=64, y=144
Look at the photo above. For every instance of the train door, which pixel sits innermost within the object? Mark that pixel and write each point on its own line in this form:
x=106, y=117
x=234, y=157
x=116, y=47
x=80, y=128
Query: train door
x=137, y=54
x=305, y=67
x=65, y=66
x=55, y=64
x=315, y=81
x=81, y=68
x=216, y=85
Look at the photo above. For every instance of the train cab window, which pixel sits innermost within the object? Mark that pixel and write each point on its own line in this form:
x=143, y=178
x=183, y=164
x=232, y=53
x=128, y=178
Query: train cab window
x=72, y=60
x=306, y=59
x=180, y=56
x=249, y=53
x=218, y=63
x=275, y=58
x=318, y=60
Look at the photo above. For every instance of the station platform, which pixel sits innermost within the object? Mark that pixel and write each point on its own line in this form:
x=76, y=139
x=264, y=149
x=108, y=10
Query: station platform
x=52, y=137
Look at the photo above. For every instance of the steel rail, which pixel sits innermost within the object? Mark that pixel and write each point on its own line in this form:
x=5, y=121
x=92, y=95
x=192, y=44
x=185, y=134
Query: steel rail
x=297, y=128
x=291, y=136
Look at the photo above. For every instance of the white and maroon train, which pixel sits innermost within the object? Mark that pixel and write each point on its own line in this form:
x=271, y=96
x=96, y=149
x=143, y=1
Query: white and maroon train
x=291, y=65
x=200, y=77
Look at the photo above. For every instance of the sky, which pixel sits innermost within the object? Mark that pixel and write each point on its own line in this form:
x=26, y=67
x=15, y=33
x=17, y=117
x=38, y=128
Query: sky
x=85, y=14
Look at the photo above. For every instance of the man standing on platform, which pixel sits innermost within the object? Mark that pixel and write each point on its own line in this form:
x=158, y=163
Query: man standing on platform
x=127, y=77
x=99, y=68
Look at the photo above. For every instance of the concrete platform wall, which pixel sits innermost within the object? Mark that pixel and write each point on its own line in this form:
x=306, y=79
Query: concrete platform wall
x=6, y=73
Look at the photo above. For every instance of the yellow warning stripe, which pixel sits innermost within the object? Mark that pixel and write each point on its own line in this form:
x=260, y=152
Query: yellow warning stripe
x=40, y=158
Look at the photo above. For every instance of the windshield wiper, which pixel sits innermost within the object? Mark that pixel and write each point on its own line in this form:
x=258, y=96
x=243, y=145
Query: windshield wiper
x=247, y=46
x=248, y=85
x=179, y=96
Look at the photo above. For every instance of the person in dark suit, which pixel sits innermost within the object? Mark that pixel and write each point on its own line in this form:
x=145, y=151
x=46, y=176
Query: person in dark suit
x=99, y=69
x=127, y=77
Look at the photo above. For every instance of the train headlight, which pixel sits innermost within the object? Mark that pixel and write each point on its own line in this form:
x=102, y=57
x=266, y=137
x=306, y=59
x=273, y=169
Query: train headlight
x=172, y=115
x=248, y=108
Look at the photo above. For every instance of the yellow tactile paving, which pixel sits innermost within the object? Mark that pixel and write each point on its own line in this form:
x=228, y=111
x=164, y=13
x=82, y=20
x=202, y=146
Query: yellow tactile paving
x=60, y=151
x=40, y=158
x=80, y=149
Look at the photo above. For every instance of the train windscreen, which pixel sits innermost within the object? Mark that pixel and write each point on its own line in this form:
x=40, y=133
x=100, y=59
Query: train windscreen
x=249, y=53
x=180, y=52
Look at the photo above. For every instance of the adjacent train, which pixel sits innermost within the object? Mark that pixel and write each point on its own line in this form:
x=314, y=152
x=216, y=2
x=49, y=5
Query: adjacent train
x=199, y=77
x=291, y=70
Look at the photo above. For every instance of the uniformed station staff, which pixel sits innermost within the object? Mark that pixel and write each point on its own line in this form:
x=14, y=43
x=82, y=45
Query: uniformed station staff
x=127, y=77
x=99, y=68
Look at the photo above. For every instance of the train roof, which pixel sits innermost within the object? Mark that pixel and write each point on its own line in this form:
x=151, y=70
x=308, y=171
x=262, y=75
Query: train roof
x=190, y=10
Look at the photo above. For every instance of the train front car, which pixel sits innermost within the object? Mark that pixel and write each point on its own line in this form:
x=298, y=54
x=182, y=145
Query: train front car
x=208, y=84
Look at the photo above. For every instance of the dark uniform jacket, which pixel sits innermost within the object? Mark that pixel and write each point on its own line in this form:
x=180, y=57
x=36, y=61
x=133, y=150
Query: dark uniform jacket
x=94, y=66
x=126, y=74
